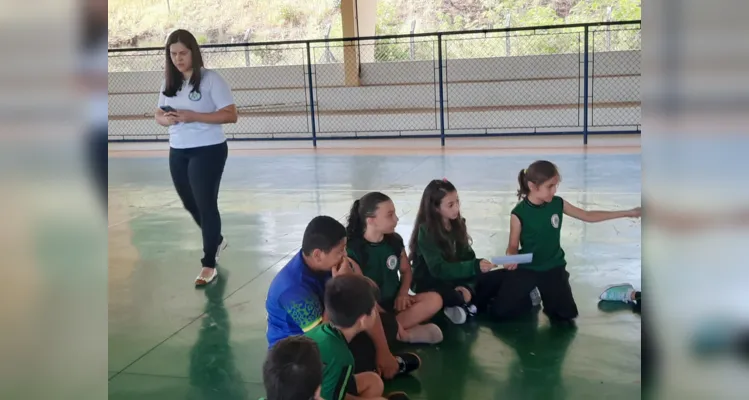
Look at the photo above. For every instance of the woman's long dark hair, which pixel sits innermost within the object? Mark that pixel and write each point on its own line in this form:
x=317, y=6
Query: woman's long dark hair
x=430, y=217
x=361, y=210
x=172, y=77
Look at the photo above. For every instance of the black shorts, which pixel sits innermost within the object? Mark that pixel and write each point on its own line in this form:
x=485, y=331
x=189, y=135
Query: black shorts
x=451, y=297
x=363, y=349
x=388, y=306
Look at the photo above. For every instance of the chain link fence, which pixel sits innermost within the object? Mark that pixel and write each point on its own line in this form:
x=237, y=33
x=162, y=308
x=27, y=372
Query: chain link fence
x=508, y=81
x=615, y=76
x=381, y=95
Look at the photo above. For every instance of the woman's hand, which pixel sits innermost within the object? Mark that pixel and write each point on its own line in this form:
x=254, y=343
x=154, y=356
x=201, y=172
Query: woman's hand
x=171, y=118
x=185, y=116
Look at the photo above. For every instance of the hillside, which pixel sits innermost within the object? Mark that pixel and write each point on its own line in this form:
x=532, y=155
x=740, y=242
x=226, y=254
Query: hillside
x=145, y=23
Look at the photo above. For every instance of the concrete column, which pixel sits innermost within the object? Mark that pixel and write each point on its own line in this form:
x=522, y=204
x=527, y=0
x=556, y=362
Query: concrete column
x=357, y=25
x=367, y=22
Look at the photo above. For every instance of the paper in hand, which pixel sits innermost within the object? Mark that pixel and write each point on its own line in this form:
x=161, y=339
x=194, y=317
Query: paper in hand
x=514, y=259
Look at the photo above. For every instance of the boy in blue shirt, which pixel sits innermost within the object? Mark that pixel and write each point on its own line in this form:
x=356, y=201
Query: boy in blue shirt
x=295, y=299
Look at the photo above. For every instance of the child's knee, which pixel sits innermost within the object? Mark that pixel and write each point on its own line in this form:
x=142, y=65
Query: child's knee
x=369, y=384
x=561, y=307
x=433, y=300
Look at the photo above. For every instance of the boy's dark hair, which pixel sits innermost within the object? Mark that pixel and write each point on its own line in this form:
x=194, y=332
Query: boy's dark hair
x=348, y=298
x=538, y=173
x=172, y=77
x=292, y=369
x=323, y=233
x=429, y=216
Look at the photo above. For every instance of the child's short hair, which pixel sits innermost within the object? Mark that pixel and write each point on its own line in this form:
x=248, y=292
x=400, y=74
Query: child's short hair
x=348, y=298
x=322, y=233
x=292, y=369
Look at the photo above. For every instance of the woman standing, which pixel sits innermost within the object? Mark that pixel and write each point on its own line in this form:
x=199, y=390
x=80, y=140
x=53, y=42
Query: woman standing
x=194, y=102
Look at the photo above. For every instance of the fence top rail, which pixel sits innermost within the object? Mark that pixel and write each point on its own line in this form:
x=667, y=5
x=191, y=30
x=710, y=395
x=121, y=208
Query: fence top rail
x=384, y=37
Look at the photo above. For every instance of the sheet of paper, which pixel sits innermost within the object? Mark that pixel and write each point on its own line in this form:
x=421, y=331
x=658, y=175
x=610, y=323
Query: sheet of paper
x=516, y=259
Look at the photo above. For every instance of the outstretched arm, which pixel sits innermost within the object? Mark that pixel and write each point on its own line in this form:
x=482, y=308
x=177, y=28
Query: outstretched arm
x=598, y=216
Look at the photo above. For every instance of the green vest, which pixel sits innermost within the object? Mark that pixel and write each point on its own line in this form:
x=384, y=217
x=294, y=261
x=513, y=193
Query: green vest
x=541, y=233
x=379, y=262
x=337, y=360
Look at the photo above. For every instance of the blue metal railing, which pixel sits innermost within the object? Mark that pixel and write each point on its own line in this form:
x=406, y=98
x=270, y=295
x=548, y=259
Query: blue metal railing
x=493, y=103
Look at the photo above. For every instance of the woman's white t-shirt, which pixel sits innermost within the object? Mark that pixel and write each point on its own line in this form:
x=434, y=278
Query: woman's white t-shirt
x=214, y=95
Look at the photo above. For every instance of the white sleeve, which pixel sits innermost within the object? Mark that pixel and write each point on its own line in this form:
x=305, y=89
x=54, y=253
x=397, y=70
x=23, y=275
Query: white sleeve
x=220, y=91
x=162, y=98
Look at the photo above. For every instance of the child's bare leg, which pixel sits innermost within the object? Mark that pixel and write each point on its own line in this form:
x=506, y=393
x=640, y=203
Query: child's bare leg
x=369, y=385
x=424, y=307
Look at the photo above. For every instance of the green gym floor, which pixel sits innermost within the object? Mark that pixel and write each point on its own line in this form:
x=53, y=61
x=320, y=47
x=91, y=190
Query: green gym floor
x=168, y=340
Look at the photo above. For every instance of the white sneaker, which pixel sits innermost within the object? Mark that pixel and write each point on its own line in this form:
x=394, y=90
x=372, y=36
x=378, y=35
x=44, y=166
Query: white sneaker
x=221, y=246
x=456, y=314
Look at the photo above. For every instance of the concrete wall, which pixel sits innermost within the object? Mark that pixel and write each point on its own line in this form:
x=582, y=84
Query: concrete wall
x=493, y=94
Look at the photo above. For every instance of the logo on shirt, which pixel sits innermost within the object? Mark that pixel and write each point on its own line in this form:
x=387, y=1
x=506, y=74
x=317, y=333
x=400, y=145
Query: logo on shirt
x=194, y=96
x=392, y=262
x=555, y=221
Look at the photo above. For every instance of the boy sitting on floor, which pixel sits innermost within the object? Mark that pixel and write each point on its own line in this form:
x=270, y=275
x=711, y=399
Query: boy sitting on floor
x=350, y=305
x=293, y=370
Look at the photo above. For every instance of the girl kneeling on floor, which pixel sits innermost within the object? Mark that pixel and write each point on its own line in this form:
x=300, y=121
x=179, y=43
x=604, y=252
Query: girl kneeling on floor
x=535, y=227
x=380, y=252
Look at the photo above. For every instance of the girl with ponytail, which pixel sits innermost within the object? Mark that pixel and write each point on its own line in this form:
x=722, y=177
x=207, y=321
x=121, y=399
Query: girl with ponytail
x=381, y=255
x=535, y=228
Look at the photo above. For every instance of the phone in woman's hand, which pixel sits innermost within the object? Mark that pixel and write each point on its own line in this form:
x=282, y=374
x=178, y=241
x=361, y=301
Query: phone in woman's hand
x=167, y=109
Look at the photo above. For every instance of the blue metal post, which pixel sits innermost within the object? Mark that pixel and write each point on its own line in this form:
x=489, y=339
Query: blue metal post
x=441, y=88
x=585, y=89
x=311, y=95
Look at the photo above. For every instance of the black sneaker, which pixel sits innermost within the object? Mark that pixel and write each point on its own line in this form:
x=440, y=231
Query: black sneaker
x=407, y=362
x=397, y=396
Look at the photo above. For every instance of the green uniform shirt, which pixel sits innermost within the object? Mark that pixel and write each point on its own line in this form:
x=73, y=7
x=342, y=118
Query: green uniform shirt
x=379, y=262
x=432, y=269
x=338, y=362
x=540, y=233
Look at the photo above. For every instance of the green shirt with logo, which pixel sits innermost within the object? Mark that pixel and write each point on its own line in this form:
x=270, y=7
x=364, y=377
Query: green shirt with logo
x=379, y=262
x=434, y=270
x=541, y=233
x=337, y=360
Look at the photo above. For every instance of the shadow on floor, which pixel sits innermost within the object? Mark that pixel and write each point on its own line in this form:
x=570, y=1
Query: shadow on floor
x=536, y=373
x=213, y=374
